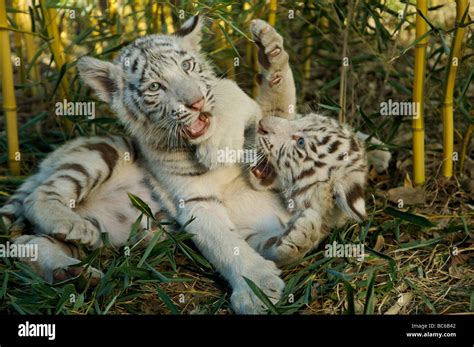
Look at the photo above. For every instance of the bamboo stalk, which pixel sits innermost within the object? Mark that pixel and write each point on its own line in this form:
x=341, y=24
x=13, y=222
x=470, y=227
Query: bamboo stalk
x=19, y=46
x=249, y=44
x=308, y=47
x=51, y=15
x=8, y=90
x=272, y=15
x=113, y=15
x=229, y=61
x=418, y=95
x=447, y=110
x=24, y=23
x=168, y=19
x=156, y=12
x=345, y=64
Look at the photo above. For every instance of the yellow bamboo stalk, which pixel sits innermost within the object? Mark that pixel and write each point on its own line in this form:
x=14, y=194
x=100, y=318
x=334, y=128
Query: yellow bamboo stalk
x=141, y=9
x=273, y=10
x=8, y=91
x=229, y=61
x=418, y=127
x=113, y=14
x=168, y=19
x=249, y=44
x=19, y=46
x=309, y=43
x=156, y=11
x=450, y=81
x=51, y=16
x=24, y=23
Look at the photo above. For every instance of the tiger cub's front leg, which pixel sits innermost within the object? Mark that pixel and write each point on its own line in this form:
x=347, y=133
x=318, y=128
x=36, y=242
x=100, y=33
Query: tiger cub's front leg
x=277, y=95
x=305, y=230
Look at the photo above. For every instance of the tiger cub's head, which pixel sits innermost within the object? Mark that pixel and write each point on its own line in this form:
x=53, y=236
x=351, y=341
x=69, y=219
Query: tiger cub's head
x=299, y=153
x=160, y=86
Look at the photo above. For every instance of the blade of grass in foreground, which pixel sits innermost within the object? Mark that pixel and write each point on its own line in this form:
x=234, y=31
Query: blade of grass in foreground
x=409, y=217
x=261, y=295
x=369, y=299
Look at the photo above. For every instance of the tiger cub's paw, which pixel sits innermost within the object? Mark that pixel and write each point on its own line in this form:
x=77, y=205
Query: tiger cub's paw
x=56, y=261
x=271, y=55
x=265, y=275
x=83, y=231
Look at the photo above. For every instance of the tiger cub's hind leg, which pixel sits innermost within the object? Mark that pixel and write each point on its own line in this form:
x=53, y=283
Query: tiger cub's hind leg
x=55, y=260
x=277, y=95
x=68, y=176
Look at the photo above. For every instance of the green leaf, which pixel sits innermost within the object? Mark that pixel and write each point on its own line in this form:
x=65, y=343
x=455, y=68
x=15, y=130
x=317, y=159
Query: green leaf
x=150, y=247
x=167, y=300
x=369, y=299
x=4, y=285
x=261, y=295
x=109, y=306
x=418, y=244
x=141, y=205
x=62, y=72
x=68, y=290
x=409, y=217
x=350, y=298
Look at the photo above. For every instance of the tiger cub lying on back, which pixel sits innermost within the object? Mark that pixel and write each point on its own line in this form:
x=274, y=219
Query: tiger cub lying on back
x=321, y=167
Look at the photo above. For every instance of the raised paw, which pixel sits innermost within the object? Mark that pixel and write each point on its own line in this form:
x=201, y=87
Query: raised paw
x=84, y=231
x=271, y=54
x=266, y=277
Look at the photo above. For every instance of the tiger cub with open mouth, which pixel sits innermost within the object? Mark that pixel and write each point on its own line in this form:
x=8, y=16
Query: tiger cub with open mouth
x=321, y=168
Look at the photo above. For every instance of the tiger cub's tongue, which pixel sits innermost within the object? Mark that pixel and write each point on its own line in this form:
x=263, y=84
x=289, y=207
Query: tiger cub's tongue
x=198, y=128
x=262, y=169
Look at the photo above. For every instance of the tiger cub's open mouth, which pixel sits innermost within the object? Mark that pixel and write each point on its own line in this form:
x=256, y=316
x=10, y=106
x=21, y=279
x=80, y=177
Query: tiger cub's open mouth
x=199, y=127
x=263, y=169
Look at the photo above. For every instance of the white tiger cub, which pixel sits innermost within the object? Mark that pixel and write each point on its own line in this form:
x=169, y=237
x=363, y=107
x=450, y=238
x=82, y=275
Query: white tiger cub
x=177, y=112
x=321, y=167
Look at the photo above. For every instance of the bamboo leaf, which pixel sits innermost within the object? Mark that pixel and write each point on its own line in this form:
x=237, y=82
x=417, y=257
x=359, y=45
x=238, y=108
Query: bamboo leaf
x=350, y=298
x=261, y=295
x=409, y=217
x=167, y=300
x=369, y=298
x=141, y=205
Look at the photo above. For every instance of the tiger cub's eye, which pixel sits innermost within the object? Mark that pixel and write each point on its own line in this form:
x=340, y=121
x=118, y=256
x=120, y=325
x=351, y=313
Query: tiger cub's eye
x=154, y=87
x=187, y=65
x=300, y=142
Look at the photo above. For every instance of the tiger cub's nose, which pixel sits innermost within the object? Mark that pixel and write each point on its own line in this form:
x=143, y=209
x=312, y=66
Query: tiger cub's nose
x=197, y=105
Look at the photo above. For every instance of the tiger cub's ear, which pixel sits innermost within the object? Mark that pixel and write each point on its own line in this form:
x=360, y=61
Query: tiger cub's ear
x=351, y=201
x=191, y=32
x=103, y=77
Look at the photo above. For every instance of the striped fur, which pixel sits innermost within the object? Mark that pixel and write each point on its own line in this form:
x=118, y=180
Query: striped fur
x=178, y=115
x=322, y=169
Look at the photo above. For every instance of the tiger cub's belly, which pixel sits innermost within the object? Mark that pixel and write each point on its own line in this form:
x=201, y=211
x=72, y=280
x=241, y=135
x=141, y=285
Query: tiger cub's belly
x=112, y=207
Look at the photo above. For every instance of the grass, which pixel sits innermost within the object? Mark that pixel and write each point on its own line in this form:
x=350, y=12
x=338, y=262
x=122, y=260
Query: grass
x=418, y=257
